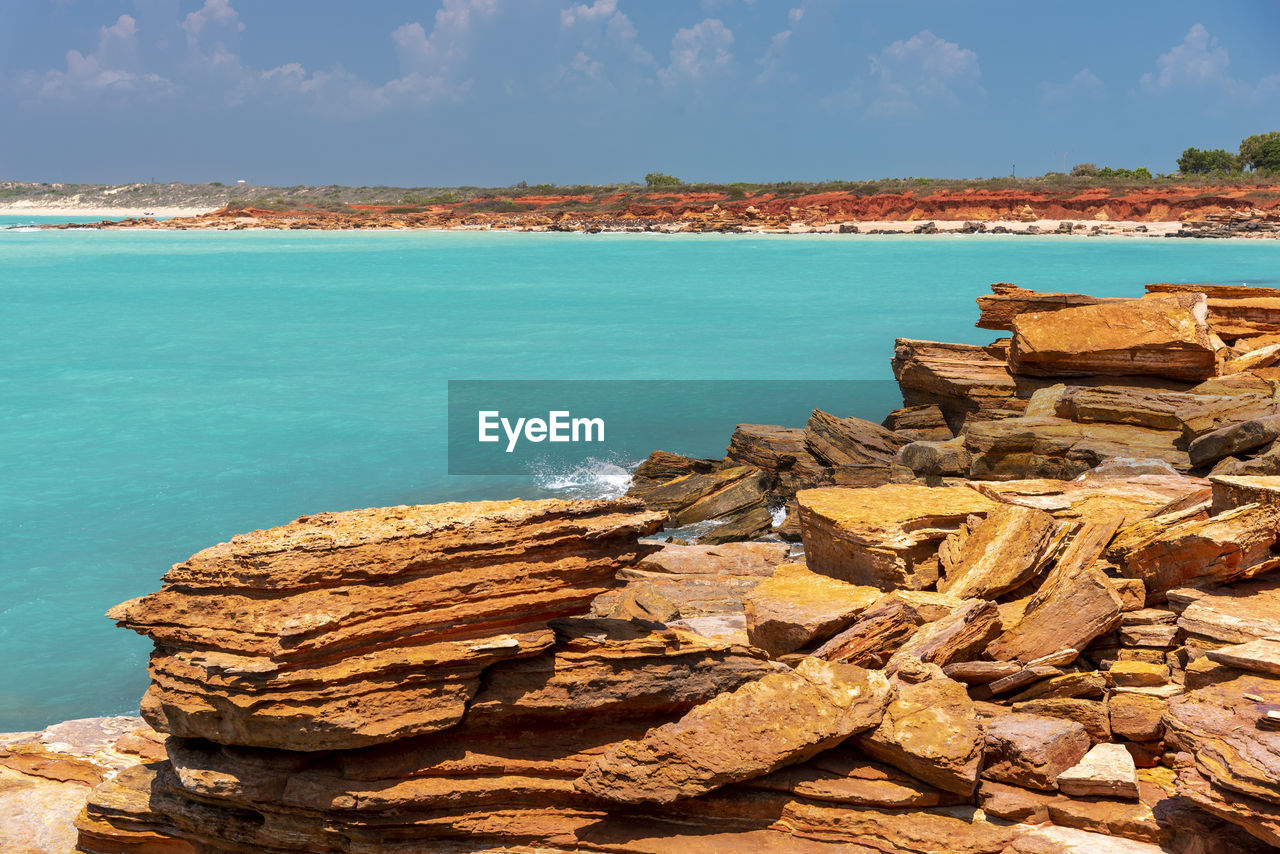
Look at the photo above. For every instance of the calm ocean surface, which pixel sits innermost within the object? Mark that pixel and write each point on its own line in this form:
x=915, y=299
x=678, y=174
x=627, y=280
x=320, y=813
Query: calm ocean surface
x=161, y=392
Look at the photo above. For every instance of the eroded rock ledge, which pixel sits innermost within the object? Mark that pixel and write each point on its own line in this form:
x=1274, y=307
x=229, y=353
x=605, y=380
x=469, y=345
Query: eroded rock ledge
x=1034, y=611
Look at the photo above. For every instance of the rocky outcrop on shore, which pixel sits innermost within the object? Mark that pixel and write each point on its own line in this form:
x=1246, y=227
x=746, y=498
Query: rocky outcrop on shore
x=1034, y=611
x=1196, y=212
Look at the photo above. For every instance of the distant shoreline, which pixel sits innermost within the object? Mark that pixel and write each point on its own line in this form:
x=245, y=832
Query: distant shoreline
x=106, y=213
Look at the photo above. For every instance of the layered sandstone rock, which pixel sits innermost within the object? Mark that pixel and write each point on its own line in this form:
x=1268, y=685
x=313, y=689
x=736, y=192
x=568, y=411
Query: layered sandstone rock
x=1076, y=603
x=1233, y=769
x=346, y=629
x=795, y=608
x=1161, y=336
x=1007, y=301
x=931, y=731
x=1194, y=551
x=850, y=441
x=1047, y=447
x=46, y=776
x=774, y=721
x=998, y=555
x=1031, y=751
x=885, y=537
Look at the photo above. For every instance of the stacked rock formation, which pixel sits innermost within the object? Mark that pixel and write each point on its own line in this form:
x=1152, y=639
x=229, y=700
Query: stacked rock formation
x=1035, y=611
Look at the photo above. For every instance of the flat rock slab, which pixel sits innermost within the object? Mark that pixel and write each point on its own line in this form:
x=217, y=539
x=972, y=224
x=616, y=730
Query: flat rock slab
x=777, y=720
x=1196, y=552
x=931, y=730
x=1161, y=336
x=1260, y=656
x=1098, y=494
x=728, y=559
x=959, y=636
x=1231, y=491
x=1091, y=714
x=1107, y=770
x=885, y=537
x=1237, y=614
x=874, y=637
x=795, y=608
x=1219, y=726
x=1031, y=751
x=1137, y=717
x=1038, y=446
x=998, y=555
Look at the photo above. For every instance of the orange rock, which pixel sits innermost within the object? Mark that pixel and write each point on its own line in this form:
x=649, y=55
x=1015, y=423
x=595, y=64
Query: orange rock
x=346, y=629
x=1160, y=335
x=777, y=720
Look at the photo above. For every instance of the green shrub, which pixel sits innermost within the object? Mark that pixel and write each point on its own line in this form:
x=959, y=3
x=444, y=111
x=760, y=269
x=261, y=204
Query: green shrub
x=659, y=179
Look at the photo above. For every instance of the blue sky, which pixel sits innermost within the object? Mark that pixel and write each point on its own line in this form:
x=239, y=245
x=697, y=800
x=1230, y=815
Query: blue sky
x=490, y=92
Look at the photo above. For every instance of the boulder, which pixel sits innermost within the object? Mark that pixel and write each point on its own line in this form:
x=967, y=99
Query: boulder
x=1090, y=714
x=662, y=466
x=1107, y=770
x=1233, y=440
x=850, y=441
x=781, y=450
x=1205, y=413
x=1161, y=336
x=886, y=537
x=1220, y=549
x=959, y=636
x=1031, y=751
x=725, y=494
x=1257, y=656
x=1044, y=447
x=873, y=637
x=1140, y=407
x=931, y=731
x=777, y=720
x=1237, y=614
x=795, y=608
x=1000, y=553
x=924, y=423
x=935, y=459
x=698, y=496
x=1231, y=492
x=1137, y=717
x=964, y=381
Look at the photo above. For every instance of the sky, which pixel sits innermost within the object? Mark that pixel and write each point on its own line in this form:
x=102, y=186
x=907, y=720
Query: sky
x=492, y=92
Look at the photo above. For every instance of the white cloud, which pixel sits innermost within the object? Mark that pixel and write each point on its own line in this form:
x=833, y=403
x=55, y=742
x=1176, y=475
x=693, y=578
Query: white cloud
x=1200, y=60
x=213, y=11
x=771, y=62
x=920, y=71
x=112, y=68
x=608, y=39
x=600, y=10
x=698, y=51
x=1083, y=86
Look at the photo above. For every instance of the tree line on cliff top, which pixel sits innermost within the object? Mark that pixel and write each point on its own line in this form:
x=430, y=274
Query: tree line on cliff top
x=1260, y=153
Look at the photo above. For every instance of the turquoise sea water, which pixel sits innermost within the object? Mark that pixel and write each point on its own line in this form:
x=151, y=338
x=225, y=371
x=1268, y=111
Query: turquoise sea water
x=161, y=392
